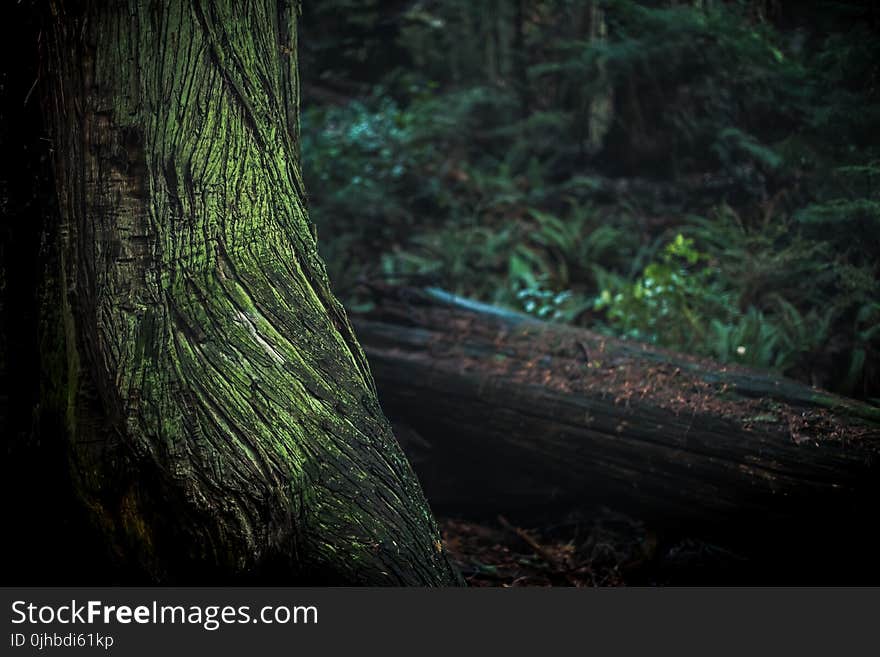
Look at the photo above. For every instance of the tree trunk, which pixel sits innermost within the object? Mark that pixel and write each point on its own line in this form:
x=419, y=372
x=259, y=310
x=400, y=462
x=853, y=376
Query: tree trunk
x=501, y=413
x=220, y=417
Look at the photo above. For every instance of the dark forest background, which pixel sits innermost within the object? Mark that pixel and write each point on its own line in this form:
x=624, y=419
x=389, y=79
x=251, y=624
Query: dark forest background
x=699, y=175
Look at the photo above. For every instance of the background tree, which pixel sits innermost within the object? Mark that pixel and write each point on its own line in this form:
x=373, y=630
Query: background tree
x=216, y=414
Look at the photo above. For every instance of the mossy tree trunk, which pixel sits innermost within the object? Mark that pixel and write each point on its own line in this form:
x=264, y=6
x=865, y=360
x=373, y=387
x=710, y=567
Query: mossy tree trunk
x=221, y=418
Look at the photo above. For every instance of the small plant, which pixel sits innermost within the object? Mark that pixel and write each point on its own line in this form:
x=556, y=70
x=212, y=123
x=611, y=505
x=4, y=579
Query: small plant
x=671, y=302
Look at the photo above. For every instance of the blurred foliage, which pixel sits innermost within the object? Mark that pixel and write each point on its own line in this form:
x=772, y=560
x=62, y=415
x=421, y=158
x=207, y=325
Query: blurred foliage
x=703, y=175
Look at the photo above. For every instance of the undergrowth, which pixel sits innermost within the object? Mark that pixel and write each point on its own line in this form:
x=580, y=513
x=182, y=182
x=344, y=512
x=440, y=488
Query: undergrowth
x=729, y=207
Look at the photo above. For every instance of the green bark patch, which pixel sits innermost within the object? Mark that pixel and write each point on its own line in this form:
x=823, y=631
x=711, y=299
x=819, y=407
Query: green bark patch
x=233, y=394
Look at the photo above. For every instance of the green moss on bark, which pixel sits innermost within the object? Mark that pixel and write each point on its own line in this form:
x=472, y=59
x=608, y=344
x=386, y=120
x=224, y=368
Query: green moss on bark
x=233, y=395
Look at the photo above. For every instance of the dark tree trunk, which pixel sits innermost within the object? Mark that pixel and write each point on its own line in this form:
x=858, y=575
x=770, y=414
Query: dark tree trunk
x=501, y=413
x=219, y=418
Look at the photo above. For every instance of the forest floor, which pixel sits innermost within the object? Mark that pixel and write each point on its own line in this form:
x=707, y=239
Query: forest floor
x=608, y=550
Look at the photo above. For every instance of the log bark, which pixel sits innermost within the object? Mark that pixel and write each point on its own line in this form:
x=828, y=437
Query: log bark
x=501, y=413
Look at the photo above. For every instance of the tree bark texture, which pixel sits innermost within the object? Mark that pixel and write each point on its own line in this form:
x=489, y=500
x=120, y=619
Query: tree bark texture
x=221, y=416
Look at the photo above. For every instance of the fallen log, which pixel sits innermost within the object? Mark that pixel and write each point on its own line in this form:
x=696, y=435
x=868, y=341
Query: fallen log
x=501, y=413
